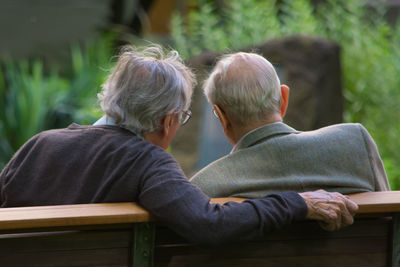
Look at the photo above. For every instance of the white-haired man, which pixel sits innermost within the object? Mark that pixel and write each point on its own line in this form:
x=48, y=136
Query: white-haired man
x=268, y=155
x=121, y=158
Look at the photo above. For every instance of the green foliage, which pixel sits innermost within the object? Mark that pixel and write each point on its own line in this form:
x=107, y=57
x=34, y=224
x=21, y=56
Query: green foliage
x=210, y=35
x=179, y=34
x=33, y=100
x=370, y=52
x=298, y=18
x=260, y=19
x=22, y=104
x=89, y=69
x=242, y=23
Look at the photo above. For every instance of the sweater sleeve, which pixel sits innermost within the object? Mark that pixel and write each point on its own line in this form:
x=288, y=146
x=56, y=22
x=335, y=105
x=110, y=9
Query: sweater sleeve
x=3, y=174
x=168, y=195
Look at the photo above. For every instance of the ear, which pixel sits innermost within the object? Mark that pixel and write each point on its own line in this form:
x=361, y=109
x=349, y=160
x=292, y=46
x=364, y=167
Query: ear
x=222, y=118
x=167, y=123
x=226, y=124
x=284, y=99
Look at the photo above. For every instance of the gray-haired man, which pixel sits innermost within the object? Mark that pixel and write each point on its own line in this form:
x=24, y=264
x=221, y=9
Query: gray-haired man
x=268, y=155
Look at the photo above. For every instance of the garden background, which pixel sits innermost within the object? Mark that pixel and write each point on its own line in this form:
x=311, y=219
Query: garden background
x=39, y=93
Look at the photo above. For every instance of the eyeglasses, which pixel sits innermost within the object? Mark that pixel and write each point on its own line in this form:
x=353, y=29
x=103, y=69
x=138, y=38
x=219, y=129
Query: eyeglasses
x=186, y=115
x=215, y=113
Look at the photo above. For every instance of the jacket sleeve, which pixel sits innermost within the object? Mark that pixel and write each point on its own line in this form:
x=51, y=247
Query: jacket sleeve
x=378, y=170
x=168, y=195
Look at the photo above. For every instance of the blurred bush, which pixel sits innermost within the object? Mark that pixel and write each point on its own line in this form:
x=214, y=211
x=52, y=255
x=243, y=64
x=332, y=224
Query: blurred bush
x=34, y=98
x=370, y=52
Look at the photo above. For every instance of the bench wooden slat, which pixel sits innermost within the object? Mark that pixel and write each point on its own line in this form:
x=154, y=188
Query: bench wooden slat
x=71, y=215
x=118, y=213
x=377, y=202
x=367, y=243
x=69, y=248
x=368, y=202
x=223, y=200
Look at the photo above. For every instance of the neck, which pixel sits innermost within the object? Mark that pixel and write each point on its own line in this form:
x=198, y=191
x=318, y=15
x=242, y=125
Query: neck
x=156, y=138
x=238, y=131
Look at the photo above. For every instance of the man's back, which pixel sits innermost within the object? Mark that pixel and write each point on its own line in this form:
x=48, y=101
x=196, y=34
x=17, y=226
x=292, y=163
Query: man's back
x=276, y=158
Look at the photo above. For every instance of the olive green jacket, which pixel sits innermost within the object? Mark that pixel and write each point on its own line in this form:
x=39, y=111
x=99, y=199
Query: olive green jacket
x=276, y=158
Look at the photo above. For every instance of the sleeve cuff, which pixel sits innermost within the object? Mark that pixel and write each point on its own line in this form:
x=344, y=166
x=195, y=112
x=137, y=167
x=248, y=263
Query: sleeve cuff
x=297, y=205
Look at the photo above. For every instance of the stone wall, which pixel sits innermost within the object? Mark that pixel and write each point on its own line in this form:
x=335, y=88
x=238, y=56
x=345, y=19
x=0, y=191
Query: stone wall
x=311, y=68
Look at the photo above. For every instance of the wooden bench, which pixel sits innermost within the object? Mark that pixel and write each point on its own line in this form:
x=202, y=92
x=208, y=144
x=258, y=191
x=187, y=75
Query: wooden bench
x=124, y=234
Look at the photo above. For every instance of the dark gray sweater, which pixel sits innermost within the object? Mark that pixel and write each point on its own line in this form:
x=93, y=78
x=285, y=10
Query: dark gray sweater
x=91, y=164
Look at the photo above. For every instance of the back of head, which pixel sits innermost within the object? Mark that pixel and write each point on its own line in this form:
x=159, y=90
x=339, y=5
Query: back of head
x=145, y=86
x=245, y=86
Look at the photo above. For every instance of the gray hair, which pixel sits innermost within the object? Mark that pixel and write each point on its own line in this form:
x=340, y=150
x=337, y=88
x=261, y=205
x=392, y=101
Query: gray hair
x=246, y=86
x=145, y=86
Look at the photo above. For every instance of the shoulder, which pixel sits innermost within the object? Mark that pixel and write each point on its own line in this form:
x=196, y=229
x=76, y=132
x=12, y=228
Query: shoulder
x=348, y=131
x=214, y=178
x=219, y=166
x=341, y=128
x=113, y=142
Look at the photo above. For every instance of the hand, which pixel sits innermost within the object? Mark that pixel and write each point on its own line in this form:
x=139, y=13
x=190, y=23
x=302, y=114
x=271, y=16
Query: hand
x=332, y=210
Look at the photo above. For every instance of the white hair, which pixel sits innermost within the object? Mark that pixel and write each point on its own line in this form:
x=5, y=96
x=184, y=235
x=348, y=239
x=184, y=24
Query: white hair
x=245, y=86
x=145, y=86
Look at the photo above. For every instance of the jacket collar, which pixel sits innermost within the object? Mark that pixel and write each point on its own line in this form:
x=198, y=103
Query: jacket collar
x=107, y=120
x=263, y=133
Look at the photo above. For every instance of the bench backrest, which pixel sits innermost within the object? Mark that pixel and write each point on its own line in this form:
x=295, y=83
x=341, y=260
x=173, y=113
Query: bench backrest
x=123, y=234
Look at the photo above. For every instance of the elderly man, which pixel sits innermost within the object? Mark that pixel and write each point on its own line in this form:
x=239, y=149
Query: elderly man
x=121, y=158
x=268, y=155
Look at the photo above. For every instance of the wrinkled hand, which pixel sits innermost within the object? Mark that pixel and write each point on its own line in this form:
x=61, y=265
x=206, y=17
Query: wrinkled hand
x=332, y=210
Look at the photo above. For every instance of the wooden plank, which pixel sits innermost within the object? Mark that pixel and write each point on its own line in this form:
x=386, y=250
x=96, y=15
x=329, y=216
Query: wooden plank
x=305, y=230
x=118, y=213
x=301, y=242
x=65, y=240
x=70, y=248
x=281, y=248
x=223, y=200
x=116, y=257
x=364, y=260
x=377, y=202
x=70, y=215
x=263, y=252
x=115, y=226
x=368, y=202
